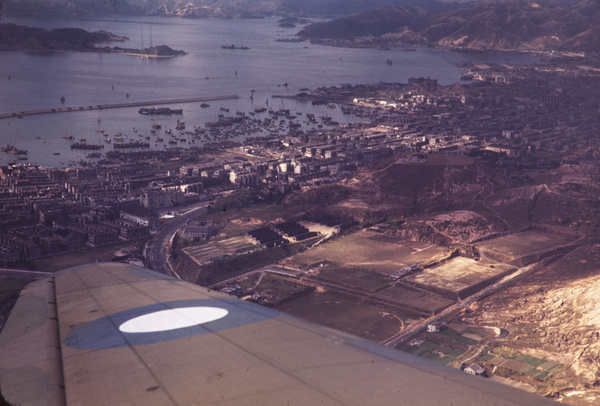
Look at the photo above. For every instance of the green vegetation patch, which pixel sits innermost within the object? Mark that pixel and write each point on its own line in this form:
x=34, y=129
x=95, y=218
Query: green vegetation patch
x=446, y=360
x=543, y=375
x=529, y=360
x=433, y=356
x=445, y=349
x=465, y=340
x=448, y=332
x=533, y=372
x=428, y=345
x=485, y=357
x=472, y=331
x=457, y=352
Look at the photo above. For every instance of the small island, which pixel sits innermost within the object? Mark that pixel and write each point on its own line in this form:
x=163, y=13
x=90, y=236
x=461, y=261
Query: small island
x=161, y=51
x=22, y=38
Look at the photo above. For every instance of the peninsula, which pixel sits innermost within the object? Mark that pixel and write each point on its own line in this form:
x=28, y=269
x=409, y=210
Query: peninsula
x=22, y=38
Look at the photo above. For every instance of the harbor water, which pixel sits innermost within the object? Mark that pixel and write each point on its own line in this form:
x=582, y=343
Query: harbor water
x=51, y=80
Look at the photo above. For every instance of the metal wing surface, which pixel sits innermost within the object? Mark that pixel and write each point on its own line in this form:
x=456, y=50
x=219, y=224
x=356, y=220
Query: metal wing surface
x=116, y=334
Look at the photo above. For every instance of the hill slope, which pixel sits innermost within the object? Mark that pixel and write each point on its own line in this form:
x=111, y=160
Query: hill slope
x=523, y=25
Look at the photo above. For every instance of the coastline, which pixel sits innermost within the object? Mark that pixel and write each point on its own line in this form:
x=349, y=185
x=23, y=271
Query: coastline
x=345, y=43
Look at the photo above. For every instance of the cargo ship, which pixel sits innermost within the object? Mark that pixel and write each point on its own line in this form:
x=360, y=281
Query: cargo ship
x=234, y=47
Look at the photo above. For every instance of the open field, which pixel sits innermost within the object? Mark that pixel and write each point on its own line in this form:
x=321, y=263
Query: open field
x=370, y=250
x=354, y=278
x=414, y=299
x=523, y=248
x=345, y=313
x=459, y=277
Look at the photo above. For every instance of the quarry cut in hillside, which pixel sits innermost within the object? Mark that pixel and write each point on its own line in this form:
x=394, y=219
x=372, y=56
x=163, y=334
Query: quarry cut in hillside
x=555, y=314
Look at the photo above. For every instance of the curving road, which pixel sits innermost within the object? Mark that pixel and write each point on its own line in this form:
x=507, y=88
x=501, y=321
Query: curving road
x=162, y=239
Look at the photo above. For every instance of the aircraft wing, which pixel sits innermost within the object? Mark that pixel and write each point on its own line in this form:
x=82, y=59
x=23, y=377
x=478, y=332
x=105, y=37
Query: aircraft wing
x=117, y=334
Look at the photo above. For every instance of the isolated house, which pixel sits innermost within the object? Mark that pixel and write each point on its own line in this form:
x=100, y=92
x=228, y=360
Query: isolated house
x=475, y=369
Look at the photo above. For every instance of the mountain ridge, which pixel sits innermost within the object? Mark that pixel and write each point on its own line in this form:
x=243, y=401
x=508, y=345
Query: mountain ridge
x=223, y=9
x=516, y=25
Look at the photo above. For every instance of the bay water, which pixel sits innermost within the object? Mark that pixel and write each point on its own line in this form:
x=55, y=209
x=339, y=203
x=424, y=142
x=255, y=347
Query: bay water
x=38, y=80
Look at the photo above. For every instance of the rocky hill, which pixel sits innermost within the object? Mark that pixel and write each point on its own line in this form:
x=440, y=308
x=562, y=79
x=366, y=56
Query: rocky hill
x=554, y=314
x=372, y=23
x=440, y=181
x=524, y=25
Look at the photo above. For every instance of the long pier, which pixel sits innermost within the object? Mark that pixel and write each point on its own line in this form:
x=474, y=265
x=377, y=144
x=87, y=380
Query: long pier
x=22, y=114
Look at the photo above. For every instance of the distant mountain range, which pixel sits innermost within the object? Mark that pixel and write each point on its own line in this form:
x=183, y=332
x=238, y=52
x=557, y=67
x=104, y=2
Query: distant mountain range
x=524, y=25
x=213, y=8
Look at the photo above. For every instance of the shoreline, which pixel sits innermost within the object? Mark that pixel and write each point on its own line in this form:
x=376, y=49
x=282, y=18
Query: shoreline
x=412, y=47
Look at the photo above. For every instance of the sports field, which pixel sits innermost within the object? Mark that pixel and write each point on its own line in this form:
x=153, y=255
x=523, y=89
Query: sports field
x=459, y=275
x=369, y=250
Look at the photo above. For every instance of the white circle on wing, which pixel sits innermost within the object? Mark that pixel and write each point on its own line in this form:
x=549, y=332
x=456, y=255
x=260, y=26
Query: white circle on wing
x=172, y=319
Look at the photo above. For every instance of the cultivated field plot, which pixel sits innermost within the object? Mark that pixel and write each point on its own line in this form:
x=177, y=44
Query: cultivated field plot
x=420, y=301
x=458, y=277
x=522, y=248
x=369, y=250
x=345, y=313
x=354, y=278
x=206, y=253
x=514, y=363
x=446, y=346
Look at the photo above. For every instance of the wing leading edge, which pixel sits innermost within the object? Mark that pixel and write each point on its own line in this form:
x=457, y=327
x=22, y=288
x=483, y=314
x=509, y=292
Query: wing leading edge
x=123, y=335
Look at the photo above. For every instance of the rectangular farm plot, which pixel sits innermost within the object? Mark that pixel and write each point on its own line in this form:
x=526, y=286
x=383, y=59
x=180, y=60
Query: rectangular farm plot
x=418, y=300
x=523, y=248
x=354, y=278
x=523, y=364
x=459, y=277
x=367, y=249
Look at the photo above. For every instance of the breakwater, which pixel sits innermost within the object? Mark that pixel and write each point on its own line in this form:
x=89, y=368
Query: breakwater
x=22, y=114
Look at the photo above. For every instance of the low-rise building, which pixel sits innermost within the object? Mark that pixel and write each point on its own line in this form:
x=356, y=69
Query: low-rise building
x=475, y=369
x=99, y=235
x=199, y=229
x=141, y=215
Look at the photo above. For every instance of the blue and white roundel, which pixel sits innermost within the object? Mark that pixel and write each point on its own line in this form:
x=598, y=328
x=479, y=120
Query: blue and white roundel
x=164, y=322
